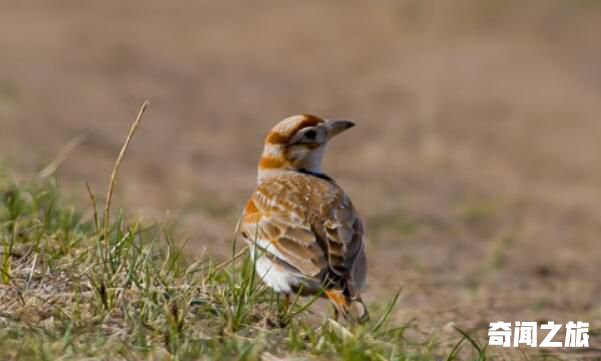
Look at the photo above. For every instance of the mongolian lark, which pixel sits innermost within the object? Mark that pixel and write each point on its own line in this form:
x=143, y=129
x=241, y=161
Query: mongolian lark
x=303, y=228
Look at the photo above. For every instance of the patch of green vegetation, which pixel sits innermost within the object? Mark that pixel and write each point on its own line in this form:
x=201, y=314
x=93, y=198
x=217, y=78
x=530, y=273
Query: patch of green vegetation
x=595, y=331
x=540, y=304
x=8, y=94
x=71, y=290
x=395, y=222
x=497, y=253
x=478, y=213
x=587, y=4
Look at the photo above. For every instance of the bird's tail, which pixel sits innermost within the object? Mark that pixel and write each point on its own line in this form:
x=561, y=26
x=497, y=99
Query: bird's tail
x=352, y=308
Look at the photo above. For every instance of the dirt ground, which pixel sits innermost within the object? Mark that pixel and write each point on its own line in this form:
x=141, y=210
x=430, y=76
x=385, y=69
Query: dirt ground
x=475, y=161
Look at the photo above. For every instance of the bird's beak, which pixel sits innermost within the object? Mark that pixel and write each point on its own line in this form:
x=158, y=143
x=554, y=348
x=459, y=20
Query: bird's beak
x=335, y=127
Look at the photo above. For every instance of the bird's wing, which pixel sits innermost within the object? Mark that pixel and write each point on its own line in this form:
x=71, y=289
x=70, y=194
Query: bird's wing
x=306, y=222
x=343, y=231
x=282, y=234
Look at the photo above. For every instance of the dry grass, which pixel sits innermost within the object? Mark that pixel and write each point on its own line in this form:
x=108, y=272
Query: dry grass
x=64, y=298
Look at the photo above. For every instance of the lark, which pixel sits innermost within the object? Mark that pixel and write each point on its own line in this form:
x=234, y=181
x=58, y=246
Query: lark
x=305, y=235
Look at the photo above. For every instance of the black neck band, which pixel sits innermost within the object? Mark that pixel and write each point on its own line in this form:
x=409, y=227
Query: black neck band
x=318, y=175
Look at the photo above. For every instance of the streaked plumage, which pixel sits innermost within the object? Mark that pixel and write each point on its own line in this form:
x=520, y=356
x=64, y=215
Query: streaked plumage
x=307, y=232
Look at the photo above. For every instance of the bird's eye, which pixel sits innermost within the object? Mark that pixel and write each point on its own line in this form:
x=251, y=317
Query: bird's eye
x=311, y=134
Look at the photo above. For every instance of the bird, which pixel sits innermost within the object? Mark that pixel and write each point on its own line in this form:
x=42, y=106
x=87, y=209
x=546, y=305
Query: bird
x=305, y=236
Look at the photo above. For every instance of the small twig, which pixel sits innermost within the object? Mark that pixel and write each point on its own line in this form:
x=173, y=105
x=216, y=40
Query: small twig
x=115, y=172
x=93, y=201
x=225, y=263
x=31, y=271
x=234, y=257
x=10, y=316
x=61, y=156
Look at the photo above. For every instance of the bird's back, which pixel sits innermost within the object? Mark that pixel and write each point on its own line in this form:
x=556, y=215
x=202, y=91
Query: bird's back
x=310, y=224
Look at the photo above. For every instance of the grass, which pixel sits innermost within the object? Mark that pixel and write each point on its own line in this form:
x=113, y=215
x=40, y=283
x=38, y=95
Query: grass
x=74, y=286
x=64, y=297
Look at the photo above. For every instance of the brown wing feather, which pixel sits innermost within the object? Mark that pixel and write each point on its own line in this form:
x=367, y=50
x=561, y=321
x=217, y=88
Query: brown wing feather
x=311, y=224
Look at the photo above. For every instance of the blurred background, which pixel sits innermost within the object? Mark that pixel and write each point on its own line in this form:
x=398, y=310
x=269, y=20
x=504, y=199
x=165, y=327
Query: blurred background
x=475, y=161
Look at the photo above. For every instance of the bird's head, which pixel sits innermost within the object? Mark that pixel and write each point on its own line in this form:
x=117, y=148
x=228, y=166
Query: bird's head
x=298, y=143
